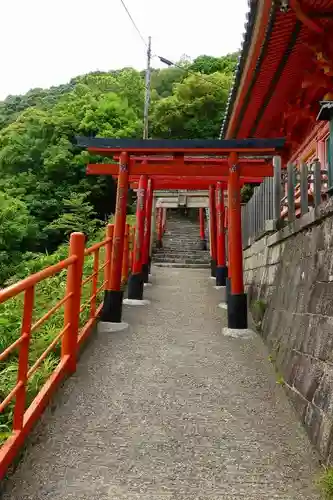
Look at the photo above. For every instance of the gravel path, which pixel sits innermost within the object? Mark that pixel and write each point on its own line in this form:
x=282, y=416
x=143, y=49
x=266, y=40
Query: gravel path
x=170, y=409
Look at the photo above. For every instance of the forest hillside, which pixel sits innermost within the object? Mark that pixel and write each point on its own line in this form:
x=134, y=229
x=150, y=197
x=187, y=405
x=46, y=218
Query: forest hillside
x=44, y=192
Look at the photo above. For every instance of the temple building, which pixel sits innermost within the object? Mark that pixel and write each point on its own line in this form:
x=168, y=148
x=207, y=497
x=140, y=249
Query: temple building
x=283, y=84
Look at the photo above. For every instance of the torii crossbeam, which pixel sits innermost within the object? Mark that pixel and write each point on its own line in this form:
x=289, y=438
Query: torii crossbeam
x=234, y=159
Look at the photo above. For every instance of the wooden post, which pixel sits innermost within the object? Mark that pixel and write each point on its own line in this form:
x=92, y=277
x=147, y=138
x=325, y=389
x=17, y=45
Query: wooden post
x=131, y=253
x=203, y=243
x=113, y=296
x=291, y=192
x=23, y=359
x=228, y=280
x=159, y=243
x=73, y=304
x=164, y=215
x=317, y=183
x=147, y=232
x=108, y=255
x=237, y=302
x=125, y=266
x=221, y=269
x=212, y=230
x=277, y=188
x=304, y=188
x=135, y=282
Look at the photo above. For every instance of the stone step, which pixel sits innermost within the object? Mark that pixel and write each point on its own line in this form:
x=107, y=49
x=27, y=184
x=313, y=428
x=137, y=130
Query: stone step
x=180, y=261
x=166, y=251
x=176, y=264
x=174, y=242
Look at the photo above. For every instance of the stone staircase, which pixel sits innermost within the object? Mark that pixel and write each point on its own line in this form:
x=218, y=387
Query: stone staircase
x=181, y=245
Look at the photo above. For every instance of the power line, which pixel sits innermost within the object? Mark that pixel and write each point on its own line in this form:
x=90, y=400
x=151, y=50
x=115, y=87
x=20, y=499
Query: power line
x=134, y=23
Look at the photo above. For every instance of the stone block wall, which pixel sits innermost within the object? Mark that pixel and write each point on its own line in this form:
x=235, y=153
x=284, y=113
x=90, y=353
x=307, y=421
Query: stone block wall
x=292, y=271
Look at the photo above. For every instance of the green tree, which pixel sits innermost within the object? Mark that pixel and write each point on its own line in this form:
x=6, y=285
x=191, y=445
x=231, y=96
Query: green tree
x=78, y=215
x=194, y=110
x=209, y=64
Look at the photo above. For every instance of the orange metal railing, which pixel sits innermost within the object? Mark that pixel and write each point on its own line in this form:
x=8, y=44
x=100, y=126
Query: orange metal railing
x=81, y=303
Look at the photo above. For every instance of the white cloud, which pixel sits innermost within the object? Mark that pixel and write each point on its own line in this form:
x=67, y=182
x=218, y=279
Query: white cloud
x=46, y=43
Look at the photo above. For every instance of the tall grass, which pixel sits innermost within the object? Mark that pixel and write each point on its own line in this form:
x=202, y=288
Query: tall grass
x=47, y=294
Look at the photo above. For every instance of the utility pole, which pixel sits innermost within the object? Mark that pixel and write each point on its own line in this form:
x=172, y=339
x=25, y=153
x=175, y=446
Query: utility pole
x=147, y=94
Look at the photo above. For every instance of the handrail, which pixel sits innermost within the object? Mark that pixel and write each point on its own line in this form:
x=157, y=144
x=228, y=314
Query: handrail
x=290, y=194
x=77, y=298
x=12, y=290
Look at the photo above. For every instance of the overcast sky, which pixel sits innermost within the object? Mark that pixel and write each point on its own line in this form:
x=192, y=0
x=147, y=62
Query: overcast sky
x=46, y=43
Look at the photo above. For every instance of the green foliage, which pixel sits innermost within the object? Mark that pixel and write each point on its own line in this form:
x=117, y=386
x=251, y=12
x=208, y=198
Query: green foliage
x=326, y=483
x=258, y=308
x=210, y=64
x=43, y=184
x=45, y=193
x=78, y=216
x=247, y=192
x=47, y=294
x=194, y=110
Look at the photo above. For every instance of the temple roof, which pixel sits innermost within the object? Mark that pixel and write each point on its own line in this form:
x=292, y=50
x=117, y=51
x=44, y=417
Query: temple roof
x=284, y=69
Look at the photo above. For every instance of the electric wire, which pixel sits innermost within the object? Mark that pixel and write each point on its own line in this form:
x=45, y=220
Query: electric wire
x=134, y=23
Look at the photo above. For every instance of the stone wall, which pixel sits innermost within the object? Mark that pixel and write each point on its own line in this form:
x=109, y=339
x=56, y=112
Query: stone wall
x=292, y=272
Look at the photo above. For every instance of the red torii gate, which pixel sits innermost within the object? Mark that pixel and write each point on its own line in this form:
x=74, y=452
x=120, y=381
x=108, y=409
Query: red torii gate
x=218, y=270
x=230, y=166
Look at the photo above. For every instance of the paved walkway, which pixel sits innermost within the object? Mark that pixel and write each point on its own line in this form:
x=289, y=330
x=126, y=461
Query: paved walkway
x=170, y=409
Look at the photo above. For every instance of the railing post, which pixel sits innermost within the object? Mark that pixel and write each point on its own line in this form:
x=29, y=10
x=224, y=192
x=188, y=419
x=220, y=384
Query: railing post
x=255, y=202
x=277, y=189
x=304, y=188
x=94, y=285
x=72, y=305
x=23, y=361
x=317, y=183
x=124, y=272
x=108, y=253
x=291, y=192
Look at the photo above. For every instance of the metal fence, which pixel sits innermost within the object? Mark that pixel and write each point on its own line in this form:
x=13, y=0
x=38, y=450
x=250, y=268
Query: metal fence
x=281, y=199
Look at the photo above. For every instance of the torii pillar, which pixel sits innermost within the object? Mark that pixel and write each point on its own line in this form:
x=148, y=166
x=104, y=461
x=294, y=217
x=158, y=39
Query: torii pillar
x=203, y=244
x=113, y=295
x=136, y=279
x=237, y=300
x=221, y=268
x=212, y=230
x=146, y=258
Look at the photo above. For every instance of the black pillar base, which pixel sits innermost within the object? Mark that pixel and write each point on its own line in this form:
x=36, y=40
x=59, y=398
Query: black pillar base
x=213, y=268
x=237, y=311
x=203, y=245
x=221, y=275
x=227, y=289
x=149, y=265
x=135, y=286
x=145, y=273
x=159, y=244
x=112, y=306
